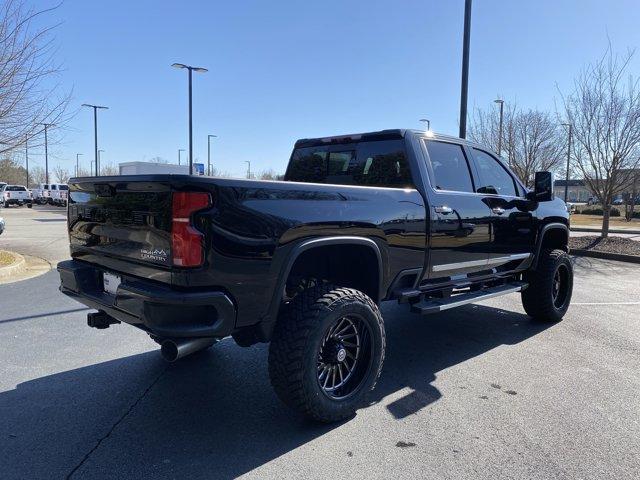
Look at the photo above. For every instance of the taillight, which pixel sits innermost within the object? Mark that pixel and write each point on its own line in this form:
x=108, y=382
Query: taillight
x=186, y=241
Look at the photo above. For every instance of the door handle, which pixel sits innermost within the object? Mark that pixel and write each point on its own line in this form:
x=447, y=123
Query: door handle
x=443, y=209
x=498, y=210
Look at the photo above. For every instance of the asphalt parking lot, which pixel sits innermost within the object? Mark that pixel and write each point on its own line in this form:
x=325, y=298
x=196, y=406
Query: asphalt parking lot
x=477, y=392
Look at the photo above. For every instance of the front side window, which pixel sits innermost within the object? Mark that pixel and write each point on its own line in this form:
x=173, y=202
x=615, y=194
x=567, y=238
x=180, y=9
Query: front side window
x=494, y=178
x=450, y=167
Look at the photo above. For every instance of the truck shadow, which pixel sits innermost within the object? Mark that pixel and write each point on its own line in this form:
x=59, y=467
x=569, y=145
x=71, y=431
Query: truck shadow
x=215, y=414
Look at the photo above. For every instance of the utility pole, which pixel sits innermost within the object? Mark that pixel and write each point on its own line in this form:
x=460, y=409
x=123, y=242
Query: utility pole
x=191, y=70
x=209, y=137
x=95, y=132
x=180, y=150
x=566, y=187
x=464, y=88
x=501, y=103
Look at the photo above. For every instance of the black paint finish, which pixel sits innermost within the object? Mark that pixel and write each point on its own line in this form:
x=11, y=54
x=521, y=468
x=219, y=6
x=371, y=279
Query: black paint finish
x=254, y=229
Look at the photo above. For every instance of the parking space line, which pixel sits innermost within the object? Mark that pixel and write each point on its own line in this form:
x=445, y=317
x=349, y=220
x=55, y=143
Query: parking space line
x=605, y=303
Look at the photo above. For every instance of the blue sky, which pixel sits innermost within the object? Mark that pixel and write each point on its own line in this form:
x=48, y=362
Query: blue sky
x=282, y=70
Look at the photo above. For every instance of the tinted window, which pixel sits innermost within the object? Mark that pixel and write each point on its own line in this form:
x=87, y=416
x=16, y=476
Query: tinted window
x=15, y=188
x=64, y=187
x=450, y=167
x=494, y=179
x=380, y=163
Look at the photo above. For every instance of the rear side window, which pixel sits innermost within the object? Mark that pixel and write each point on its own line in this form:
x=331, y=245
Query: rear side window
x=450, y=167
x=380, y=163
x=494, y=178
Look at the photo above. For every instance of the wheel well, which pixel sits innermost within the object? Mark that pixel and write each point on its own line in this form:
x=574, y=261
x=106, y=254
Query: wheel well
x=555, y=238
x=354, y=266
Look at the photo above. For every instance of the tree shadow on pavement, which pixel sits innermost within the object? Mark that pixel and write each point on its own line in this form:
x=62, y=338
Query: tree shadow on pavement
x=214, y=414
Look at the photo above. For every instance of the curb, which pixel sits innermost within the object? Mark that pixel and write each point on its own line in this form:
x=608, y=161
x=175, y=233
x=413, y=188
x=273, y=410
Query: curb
x=611, y=230
x=18, y=266
x=620, y=257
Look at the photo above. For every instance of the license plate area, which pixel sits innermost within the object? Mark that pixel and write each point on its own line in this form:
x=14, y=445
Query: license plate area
x=110, y=282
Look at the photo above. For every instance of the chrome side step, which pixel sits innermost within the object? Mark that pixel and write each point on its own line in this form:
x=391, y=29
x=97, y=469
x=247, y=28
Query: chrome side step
x=435, y=305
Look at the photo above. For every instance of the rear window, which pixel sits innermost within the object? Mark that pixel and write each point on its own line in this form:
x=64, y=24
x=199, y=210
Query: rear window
x=64, y=187
x=379, y=163
x=15, y=188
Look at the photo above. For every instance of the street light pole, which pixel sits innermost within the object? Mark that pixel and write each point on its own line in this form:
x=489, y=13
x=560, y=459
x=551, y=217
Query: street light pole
x=209, y=137
x=566, y=186
x=98, y=162
x=26, y=156
x=501, y=102
x=248, y=162
x=46, y=151
x=95, y=132
x=77, y=163
x=179, y=151
x=191, y=70
x=424, y=120
x=465, y=69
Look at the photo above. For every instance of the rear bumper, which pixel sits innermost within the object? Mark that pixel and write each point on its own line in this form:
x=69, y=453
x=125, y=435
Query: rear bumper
x=17, y=201
x=160, y=310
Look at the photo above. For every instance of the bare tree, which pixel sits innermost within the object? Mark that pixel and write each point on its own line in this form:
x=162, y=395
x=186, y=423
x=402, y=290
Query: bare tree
x=37, y=175
x=27, y=69
x=538, y=144
x=109, y=169
x=531, y=140
x=62, y=174
x=270, y=174
x=604, y=109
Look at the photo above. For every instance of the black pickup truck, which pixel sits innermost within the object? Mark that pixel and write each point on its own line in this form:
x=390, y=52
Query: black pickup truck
x=430, y=221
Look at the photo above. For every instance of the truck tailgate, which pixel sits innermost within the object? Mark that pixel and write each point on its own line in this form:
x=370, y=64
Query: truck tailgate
x=126, y=220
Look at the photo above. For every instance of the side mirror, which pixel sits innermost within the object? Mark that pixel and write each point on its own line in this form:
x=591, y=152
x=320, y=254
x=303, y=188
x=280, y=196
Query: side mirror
x=543, y=189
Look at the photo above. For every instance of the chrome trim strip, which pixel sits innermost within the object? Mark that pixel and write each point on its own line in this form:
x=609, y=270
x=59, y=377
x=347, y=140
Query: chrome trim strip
x=479, y=263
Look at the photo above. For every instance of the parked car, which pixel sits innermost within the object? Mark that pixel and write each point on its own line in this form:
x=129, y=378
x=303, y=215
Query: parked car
x=58, y=193
x=1, y=225
x=430, y=221
x=40, y=194
x=592, y=201
x=618, y=200
x=15, y=195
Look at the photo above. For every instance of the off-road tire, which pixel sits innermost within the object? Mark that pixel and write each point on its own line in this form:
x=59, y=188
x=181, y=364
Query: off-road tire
x=297, y=341
x=538, y=298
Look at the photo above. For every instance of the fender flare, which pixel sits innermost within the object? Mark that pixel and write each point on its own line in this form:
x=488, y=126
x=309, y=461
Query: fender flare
x=267, y=323
x=548, y=227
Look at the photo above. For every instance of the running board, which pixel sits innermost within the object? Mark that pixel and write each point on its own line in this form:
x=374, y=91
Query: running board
x=435, y=305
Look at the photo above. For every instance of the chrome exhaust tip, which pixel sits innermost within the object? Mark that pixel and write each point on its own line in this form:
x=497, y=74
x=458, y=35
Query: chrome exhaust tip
x=174, y=349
